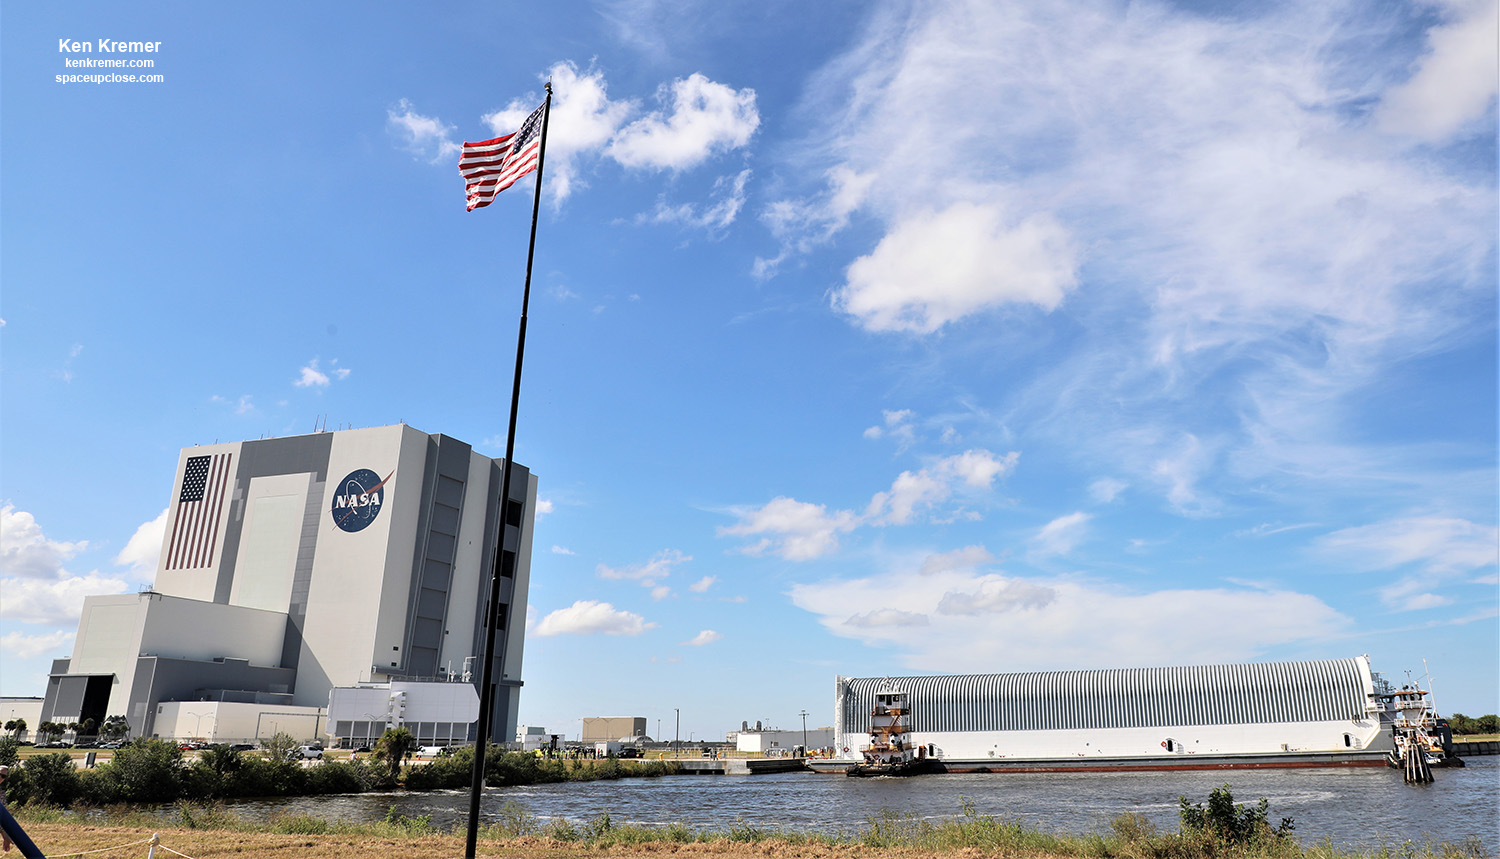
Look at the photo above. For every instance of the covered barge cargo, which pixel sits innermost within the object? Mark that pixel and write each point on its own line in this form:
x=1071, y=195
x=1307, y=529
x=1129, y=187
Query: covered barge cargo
x=1280, y=714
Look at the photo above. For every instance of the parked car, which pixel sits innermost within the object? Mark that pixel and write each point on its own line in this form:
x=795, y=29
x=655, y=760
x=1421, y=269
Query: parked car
x=114, y=744
x=631, y=752
x=308, y=753
x=242, y=747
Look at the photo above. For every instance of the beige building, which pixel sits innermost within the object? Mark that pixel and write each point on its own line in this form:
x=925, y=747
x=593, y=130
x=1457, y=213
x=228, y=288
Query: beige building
x=605, y=728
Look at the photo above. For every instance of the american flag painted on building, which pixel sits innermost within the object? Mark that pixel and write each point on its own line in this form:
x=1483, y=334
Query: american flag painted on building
x=491, y=166
x=195, y=528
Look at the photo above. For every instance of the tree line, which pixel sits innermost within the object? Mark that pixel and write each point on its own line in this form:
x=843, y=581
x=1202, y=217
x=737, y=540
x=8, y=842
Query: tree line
x=148, y=770
x=1462, y=724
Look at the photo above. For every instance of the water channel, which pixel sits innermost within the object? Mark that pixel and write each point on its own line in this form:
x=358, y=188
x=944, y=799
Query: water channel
x=1354, y=808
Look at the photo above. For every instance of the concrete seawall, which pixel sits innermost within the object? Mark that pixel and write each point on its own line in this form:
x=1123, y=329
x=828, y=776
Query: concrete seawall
x=740, y=766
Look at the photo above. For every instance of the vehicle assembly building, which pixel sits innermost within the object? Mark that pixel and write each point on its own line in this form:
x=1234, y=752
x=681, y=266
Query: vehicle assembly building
x=291, y=566
x=1319, y=713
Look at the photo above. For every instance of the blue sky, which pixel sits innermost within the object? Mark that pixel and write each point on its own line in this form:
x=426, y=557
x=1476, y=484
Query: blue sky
x=866, y=338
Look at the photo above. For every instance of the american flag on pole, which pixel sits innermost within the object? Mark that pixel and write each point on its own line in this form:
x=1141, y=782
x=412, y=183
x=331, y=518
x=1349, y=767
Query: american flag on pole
x=491, y=166
x=195, y=529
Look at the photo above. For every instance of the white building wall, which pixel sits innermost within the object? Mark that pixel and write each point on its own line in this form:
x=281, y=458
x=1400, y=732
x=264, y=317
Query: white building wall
x=29, y=709
x=1144, y=742
x=227, y=722
x=269, y=539
x=109, y=641
x=189, y=629
x=196, y=584
x=760, y=742
x=362, y=575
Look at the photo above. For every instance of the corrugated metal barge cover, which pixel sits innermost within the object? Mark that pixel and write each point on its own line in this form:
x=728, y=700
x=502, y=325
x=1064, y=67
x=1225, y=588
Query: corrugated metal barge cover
x=1274, y=692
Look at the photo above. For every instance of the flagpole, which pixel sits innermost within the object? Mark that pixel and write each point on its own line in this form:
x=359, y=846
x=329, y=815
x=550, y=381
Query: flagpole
x=492, y=611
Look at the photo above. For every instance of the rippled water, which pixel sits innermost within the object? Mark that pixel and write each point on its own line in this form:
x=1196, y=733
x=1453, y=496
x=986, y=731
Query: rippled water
x=1352, y=807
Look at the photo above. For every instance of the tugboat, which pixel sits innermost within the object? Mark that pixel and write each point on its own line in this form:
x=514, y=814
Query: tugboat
x=1422, y=741
x=890, y=752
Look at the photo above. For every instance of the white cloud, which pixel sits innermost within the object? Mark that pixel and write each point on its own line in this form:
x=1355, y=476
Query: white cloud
x=583, y=121
x=975, y=469
x=995, y=594
x=897, y=424
x=702, y=585
x=887, y=617
x=23, y=646
x=1454, y=84
x=1441, y=549
x=560, y=550
x=705, y=118
x=25, y=552
x=800, y=531
x=591, y=617
x=143, y=550
x=661, y=592
x=311, y=377
x=958, y=621
x=243, y=406
x=423, y=136
x=1106, y=489
x=543, y=507
x=933, y=268
x=1439, y=545
x=967, y=558
x=1178, y=472
x=53, y=603
x=707, y=636
x=730, y=191
x=659, y=567
x=1061, y=535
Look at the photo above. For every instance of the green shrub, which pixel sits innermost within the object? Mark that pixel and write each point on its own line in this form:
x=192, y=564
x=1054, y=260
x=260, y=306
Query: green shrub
x=146, y=770
x=338, y=777
x=8, y=750
x=45, y=779
x=1234, y=824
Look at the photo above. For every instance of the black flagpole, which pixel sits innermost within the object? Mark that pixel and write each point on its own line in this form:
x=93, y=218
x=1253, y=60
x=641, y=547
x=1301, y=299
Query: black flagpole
x=492, y=612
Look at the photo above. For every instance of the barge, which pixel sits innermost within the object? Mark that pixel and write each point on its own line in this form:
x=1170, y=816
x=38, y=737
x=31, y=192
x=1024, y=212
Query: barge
x=1328, y=713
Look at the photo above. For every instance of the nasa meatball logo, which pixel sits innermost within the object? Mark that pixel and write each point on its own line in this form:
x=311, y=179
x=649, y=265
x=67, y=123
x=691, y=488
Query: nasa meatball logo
x=357, y=499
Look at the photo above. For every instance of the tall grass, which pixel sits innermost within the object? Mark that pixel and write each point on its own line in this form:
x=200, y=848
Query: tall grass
x=1130, y=836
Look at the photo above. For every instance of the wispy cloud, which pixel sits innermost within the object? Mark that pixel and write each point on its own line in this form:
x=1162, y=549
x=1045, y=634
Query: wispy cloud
x=424, y=137
x=800, y=531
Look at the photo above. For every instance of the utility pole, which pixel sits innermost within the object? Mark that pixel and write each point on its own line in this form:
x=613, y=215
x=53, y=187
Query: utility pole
x=804, y=733
x=677, y=733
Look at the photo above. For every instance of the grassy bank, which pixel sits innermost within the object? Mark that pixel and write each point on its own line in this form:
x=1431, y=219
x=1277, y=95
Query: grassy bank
x=208, y=831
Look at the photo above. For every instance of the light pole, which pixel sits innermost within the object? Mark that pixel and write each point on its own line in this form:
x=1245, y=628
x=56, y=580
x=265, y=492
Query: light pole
x=677, y=733
x=804, y=733
x=198, y=724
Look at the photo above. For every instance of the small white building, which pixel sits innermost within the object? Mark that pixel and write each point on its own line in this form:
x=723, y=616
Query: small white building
x=768, y=742
x=437, y=714
x=532, y=737
x=26, y=709
x=237, y=722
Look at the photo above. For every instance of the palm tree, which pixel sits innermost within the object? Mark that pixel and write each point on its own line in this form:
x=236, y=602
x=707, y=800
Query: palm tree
x=394, y=746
